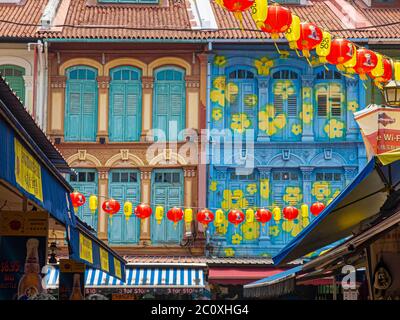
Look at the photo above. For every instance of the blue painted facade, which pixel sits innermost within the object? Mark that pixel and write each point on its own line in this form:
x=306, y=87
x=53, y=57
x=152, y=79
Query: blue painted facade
x=306, y=145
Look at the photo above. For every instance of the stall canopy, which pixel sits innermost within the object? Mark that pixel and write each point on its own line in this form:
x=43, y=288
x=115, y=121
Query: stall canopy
x=30, y=165
x=372, y=192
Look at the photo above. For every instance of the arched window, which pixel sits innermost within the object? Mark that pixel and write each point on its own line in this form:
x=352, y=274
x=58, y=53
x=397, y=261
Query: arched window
x=125, y=104
x=330, y=111
x=285, y=105
x=242, y=100
x=169, y=103
x=81, y=104
x=14, y=75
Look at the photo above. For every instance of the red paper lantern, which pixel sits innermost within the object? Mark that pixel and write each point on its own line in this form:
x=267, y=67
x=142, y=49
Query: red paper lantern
x=310, y=37
x=290, y=213
x=236, y=217
x=143, y=211
x=237, y=5
x=175, y=215
x=263, y=216
x=387, y=72
x=205, y=217
x=78, y=200
x=278, y=20
x=366, y=61
x=342, y=50
x=317, y=208
x=111, y=207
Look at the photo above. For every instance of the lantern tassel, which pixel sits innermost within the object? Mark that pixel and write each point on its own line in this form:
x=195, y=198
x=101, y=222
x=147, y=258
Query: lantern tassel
x=326, y=68
x=308, y=60
x=277, y=48
x=110, y=220
x=298, y=54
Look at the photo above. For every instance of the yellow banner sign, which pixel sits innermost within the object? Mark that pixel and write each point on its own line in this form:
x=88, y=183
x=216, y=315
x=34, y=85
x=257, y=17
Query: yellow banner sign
x=117, y=268
x=85, y=248
x=27, y=171
x=104, y=260
x=29, y=224
x=71, y=266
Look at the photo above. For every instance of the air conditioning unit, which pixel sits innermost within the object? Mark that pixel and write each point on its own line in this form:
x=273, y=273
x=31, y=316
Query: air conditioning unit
x=49, y=13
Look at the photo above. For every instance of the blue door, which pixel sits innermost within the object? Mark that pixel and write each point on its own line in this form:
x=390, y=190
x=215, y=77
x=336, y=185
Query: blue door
x=169, y=107
x=81, y=104
x=125, y=104
x=167, y=191
x=85, y=181
x=124, y=185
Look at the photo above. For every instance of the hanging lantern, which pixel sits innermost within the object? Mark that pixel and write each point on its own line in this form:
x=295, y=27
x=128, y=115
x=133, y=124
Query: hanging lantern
x=111, y=207
x=249, y=215
x=235, y=217
x=385, y=74
x=143, y=211
x=188, y=216
x=205, y=217
x=290, y=213
x=259, y=12
x=78, y=200
x=236, y=6
x=219, y=217
x=93, y=203
x=350, y=64
x=159, y=214
x=304, y=211
x=263, y=216
x=396, y=68
x=293, y=33
x=317, y=208
x=366, y=62
x=324, y=48
x=310, y=37
x=278, y=20
x=276, y=212
x=175, y=215
x=342, y=50
x=128, y=210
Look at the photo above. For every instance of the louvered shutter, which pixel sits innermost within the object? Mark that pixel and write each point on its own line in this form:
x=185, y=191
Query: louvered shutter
x=132, y=121
x=117, y=121
x=73, y=112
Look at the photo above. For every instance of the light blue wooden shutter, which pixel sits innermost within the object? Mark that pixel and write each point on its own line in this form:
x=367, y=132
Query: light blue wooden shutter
x=89, y=112
x=132, y=120
x=73, y=116
x=177, y=109
x=14, y=75
x=117, y=119
x=162, y=106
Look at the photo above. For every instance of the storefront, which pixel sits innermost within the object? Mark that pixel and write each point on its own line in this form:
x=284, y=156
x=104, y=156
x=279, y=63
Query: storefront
x=34, y=199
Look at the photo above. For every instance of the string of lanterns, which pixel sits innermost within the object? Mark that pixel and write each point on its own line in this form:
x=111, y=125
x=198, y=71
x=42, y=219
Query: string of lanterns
x=307, y=36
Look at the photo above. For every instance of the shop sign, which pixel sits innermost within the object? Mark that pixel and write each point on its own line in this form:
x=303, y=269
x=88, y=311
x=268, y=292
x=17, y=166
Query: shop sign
x=104, y=263
x=72, y=280
x=85, y=248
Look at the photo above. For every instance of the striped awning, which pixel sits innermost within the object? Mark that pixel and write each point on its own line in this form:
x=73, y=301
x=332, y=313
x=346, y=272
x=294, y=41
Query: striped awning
x=140, y=277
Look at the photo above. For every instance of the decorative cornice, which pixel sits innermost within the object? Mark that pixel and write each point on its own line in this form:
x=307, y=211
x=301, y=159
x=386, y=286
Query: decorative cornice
x=103, y=82
x=147, y=82
x=58, y=82
x=307, y=80
x=189, y=172
x=192, y=82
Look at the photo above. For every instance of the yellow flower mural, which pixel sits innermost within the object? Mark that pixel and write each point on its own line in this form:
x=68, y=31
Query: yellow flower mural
x=321, y=190
x=352, y=106
x=292, y=195
x=216, y=114
x=251, y=230
x=334, y=128
x=284, y=54
x=306, y=93
x=222, y=229
x=263, y=65
x=229, y=252
x=222, y=91
x=233, y=200
x=274, y=231
x=264, y=188
x=240, y=122
x=220, y=61
x=252, y=188
x=297, y=129
x=293, y=227
x=213, y=186
x=270, y=122
x=250, y=100
x=284, y=88
x=307, y=113
x=237, y=238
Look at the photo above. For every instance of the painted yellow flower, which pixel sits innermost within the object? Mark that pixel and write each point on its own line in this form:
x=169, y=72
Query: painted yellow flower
x=287, y=225
x=352, y=106
x=219, y=83
x=292, y=227
x=216, y=114
x=297, y=129
x=213, y=185
x=240, y=122
x=250, y=100
x=321, y=190
x=233, y=200
x=284, y=88
x=252, y=188
x=336, y=193
x=306, y=93
x=237, y=238
x=269, y=121
x=305, y=222
x=307, y=113
x=232, y=91
x=292, y=195
x=334, y=128
x=274, y=231
x=222, y=229
x=220, y=61
x=264, y=188
x=284, y=54
x=263, y=65
x=296, y=229
x=229, y=252
x=251, y=230
x=222, y=91
x=315, y=62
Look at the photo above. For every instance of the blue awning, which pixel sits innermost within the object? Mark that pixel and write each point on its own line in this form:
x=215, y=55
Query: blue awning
x=358, y=202
x=138, y=277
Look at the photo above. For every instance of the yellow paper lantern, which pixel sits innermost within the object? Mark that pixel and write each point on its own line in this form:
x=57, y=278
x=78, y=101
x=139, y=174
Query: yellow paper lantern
x=219, y=217
x=378, y=71
x=93, y=203
x=396, y=65
x=128, y=210
x=159, y=214
x=277, y=214
x=293, y=33
x=353, y=61
x=188, y=217
x=249, y=215
x=304, y=211
x=259, y=12
x=324, y=48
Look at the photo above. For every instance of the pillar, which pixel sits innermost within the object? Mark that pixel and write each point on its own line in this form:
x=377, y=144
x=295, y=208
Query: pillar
x=188, y=200
x=192, y=102
x=265, y=175
x=147, y=107
x=307, y=105
x=103, y=195
x=263, y=85
x=56, y=106
x=307, y=183
x=351, y=92
x=145, y=196
x=103, y=83
x=349, y=173
x=28, y=99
